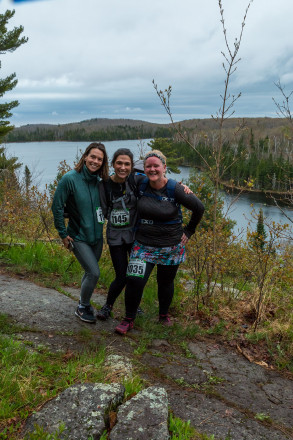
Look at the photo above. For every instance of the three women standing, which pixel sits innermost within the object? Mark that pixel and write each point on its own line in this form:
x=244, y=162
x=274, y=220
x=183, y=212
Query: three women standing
x=160, y=237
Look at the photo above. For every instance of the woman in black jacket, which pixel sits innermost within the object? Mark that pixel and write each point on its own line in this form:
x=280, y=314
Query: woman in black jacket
x=160, y=238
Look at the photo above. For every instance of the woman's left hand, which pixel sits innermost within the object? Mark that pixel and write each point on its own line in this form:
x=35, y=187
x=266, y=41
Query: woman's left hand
x=184, y=239
x=187, y=190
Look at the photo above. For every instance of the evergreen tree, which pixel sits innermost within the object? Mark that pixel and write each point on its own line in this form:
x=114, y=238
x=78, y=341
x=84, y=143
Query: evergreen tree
x=9, y=42
x=8, y=166
x=8, y=163
x=27, y=178
x=251, y=140
x=167, y=148
x=260, y=235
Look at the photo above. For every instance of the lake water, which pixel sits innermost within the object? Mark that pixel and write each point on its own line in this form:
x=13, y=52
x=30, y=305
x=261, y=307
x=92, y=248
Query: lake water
x=43, y=159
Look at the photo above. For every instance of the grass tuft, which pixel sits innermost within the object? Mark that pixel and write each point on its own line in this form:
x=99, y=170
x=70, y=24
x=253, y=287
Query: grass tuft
x=28, y=379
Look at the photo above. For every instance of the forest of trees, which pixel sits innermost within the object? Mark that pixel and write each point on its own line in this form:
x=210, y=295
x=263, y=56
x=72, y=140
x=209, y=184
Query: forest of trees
x=266, y=163
x=75, y=133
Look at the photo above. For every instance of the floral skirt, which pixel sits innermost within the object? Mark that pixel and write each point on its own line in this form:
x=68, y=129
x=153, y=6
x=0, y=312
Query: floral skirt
x=168, y=256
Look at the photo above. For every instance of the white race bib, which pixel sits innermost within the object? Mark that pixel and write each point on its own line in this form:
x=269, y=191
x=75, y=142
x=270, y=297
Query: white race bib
x=119, y=217
x=100, y=216
x=136, y=268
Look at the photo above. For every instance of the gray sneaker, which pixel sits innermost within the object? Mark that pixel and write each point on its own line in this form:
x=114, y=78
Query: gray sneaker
x=86, y=314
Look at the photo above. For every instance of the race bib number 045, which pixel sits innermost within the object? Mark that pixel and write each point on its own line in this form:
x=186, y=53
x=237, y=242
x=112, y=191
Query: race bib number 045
x=136, y=268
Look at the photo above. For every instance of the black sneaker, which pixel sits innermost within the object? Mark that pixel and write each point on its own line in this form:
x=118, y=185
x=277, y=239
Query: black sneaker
x=86, y=314
x=104, y=313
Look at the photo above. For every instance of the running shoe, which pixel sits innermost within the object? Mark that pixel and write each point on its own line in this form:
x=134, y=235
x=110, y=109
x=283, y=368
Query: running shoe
x=104, y=313
x=165, y=320
x=124, y=326
x=86, y=314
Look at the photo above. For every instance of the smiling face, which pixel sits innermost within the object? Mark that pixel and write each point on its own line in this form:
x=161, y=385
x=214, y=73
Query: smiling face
x=155, y=170
x=94, y=160
x=122, y=167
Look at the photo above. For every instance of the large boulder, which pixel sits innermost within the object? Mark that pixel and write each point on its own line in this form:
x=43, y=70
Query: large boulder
x=144, y=417
x=82, y=408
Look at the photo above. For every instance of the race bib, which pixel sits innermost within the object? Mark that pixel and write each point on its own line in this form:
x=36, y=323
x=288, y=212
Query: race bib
x=119, y=217
x=136, y=268
x=100, y=216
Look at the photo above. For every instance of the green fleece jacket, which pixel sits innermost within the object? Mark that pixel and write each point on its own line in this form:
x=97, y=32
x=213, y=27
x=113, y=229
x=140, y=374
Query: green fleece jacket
x=80, y=193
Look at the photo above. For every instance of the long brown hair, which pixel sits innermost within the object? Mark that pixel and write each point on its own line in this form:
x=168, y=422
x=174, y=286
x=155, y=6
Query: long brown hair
x=103, y=172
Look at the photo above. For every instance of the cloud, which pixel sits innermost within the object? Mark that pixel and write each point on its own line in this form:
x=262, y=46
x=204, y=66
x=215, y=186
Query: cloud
x=97, y=57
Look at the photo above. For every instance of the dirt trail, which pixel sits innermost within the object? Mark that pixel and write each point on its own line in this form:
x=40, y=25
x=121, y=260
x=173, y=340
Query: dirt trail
x=217, y=389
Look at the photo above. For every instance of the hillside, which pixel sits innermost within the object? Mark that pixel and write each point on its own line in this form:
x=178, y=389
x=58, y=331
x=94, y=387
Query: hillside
x=261, y=127
x=90, y=124
x=92, y=129
x=117, y=129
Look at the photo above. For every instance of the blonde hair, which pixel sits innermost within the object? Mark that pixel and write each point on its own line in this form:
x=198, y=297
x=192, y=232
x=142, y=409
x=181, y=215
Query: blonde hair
x=158, y=154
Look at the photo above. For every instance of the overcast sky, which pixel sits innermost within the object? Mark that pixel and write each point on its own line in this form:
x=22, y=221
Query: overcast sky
x=97, y=58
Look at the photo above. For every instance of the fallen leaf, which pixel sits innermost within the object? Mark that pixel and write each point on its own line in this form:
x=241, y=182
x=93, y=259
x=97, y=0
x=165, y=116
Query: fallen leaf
x=262, y=363
x=228, y=413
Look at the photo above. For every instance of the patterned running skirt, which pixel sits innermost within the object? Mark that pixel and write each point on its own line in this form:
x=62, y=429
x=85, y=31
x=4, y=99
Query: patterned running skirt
x=168, y=256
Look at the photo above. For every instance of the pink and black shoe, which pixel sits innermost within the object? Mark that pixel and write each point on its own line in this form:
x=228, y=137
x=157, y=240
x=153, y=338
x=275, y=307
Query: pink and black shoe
x=165, y=320
x=124, y=326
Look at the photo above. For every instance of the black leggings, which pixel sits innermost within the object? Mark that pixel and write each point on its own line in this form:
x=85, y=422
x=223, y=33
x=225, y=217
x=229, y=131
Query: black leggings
x=119, y=256
x=135, y=286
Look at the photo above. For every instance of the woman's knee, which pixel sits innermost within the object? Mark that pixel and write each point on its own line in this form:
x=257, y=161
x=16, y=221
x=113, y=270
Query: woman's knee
x=120, y=282
x=93, y=274
x=135, y=282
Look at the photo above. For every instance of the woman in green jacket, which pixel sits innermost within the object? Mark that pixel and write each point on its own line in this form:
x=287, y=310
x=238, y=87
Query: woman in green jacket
x=79, y=191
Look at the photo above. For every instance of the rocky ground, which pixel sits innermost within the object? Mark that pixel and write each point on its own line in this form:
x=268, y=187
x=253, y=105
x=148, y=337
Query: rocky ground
x=215, y=387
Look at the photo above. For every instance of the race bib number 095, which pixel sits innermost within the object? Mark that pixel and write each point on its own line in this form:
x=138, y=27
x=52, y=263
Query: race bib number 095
x=136, y=268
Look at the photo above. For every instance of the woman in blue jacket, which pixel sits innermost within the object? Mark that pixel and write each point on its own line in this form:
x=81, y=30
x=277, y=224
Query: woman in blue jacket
x=79, y=191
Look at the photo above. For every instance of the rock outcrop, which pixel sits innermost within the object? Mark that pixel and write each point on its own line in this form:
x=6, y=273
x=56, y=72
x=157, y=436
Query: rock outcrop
x=83, y=411
x=144, y=417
